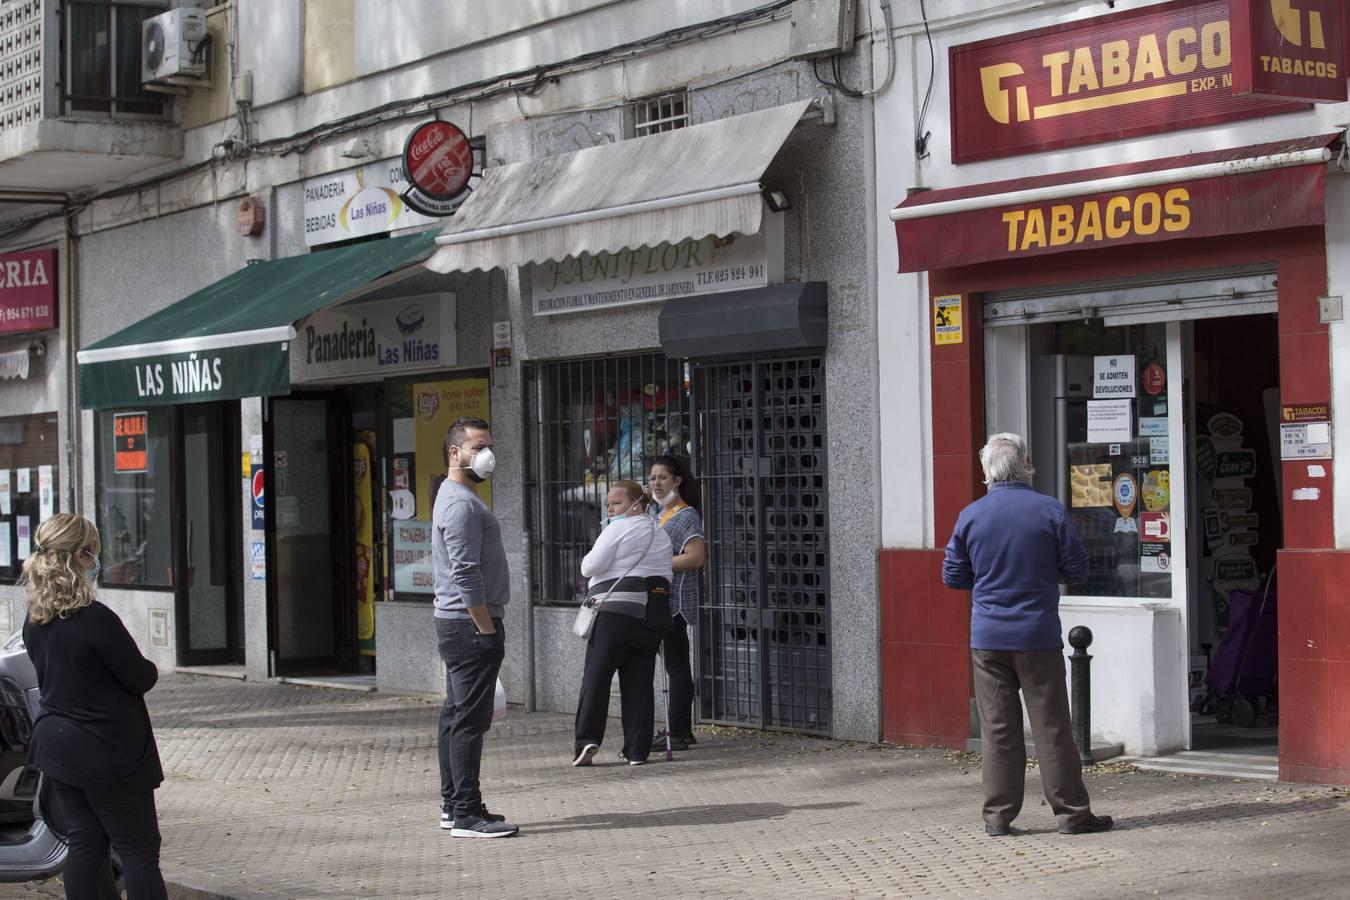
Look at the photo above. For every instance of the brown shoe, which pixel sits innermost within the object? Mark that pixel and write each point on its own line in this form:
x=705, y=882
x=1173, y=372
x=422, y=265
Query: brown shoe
x=1090, y=825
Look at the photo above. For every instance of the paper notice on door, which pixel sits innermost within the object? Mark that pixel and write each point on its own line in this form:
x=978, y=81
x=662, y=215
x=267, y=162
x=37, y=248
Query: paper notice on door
x=1109, y=421
x=405, y=436
x=23, y=486
x=1158, y=453
x=5, y=560
x=45, y=493
x=4, y=492
x=25, y=538
x=1113, y=376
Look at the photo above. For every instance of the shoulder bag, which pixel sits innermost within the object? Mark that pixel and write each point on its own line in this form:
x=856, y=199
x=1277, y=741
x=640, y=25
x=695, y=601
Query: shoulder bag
x=590, y=607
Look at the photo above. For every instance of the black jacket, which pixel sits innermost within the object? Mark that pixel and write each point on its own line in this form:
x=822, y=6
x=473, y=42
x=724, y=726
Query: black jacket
x=94, y=730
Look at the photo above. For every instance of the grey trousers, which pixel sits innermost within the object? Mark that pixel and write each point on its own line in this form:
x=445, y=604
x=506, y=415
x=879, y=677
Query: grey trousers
x=1039, y=674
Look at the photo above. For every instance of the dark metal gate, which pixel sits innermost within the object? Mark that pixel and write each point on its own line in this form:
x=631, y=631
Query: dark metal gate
x=764, y=634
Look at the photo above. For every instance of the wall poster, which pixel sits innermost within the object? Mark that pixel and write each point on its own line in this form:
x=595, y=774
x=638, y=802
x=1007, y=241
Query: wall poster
x=435, y=405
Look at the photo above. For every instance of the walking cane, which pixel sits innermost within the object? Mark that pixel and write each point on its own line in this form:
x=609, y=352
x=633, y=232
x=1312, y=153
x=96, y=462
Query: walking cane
x=665, y=701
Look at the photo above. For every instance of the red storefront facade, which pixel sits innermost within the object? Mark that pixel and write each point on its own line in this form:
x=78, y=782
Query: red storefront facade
x=1146, y=241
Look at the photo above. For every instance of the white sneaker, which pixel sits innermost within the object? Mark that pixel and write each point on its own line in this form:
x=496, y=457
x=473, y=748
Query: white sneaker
x=587, y=753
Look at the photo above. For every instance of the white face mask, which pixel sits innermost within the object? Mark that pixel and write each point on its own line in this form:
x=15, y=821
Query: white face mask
x=481, y=466
x=669, y=498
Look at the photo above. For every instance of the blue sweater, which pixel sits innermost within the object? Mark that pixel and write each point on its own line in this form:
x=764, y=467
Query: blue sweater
x=1011, y=548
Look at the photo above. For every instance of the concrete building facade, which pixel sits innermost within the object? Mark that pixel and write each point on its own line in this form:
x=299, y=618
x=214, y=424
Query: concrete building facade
x=233, y=535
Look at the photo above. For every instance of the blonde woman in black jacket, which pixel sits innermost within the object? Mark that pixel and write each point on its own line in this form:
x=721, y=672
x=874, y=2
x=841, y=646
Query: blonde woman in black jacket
x=93, y=739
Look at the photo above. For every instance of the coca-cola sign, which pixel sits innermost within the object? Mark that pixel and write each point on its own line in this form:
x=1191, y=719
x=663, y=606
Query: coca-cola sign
x=438, y=160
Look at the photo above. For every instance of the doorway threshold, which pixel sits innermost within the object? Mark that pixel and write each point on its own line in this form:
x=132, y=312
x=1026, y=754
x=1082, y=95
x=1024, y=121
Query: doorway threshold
x=235, y=672
x=362, y=683
x=1241, y=764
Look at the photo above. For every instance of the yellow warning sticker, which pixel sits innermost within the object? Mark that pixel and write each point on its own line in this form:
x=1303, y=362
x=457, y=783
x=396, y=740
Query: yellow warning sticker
x=947, y=319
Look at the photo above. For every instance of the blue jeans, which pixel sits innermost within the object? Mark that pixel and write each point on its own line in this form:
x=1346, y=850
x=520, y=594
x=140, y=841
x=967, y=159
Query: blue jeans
x=472, y=661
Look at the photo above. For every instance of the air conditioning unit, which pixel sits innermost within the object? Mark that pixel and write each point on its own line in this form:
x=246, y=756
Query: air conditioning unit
x=173, y=45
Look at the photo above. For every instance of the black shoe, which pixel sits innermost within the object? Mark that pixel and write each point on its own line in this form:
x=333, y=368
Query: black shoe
x=998, y=830
x=584, y=755
x=676, y=743
x=1090, y=825
x=448, y=820
x=479, y=827
x=632, y=762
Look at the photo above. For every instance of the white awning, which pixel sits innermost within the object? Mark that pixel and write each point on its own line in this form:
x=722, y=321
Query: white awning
x=663, y=188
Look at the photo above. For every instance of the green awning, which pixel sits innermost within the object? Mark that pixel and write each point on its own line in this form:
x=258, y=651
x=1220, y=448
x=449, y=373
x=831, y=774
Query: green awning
x=231, y=339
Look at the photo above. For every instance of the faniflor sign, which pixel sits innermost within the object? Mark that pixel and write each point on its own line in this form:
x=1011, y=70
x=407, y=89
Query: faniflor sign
x=664, y=272
x=1289, y=48
x=1134, y=72
x=380, y=339
x=27, y=291
x=357, y=202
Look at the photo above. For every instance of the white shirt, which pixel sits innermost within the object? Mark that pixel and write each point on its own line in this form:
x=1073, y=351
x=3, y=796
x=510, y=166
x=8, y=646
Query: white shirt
x=623, y=545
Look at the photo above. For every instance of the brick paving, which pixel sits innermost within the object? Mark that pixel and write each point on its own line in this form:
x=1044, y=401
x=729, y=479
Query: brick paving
x=284, y=791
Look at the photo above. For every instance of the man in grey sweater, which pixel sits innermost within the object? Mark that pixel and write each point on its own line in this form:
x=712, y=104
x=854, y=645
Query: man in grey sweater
x=472, y=589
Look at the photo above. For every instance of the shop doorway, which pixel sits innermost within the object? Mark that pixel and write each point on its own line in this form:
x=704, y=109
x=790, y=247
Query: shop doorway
x=207, y=565
x=312, y=608
x=1233, y=432
x=1150, y=409
x=764, y=642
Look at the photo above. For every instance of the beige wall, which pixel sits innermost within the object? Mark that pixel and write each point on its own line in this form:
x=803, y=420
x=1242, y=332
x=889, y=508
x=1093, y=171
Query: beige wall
x=204, y=106
x=330, y=43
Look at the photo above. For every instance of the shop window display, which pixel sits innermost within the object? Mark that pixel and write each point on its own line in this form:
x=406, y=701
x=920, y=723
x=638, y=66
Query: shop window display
x=1099, y=438
x=28, y=464
x=599, y=421
x=135, y=496
x=420, y=413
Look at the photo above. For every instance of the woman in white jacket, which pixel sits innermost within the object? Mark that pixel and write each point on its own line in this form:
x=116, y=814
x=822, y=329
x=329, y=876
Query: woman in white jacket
x=629, y=570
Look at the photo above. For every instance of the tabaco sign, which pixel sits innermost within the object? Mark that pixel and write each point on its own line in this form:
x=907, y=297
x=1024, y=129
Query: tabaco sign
x=1155, y=69
x=1205, y=207
x=1289, y=48
x=27, y=291
x=438, y=163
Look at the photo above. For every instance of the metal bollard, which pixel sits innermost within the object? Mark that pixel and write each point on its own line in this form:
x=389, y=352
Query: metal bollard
x=1080, y=691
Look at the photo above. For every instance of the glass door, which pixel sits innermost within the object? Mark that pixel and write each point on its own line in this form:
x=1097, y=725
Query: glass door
x=312, y=610
x=207, y=568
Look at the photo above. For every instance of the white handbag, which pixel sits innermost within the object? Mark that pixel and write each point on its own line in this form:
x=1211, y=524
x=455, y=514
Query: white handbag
x=590, y=607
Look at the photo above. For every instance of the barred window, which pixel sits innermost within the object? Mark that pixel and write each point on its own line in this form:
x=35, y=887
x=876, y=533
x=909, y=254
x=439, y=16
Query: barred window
x=657, y=114
x=595, y=421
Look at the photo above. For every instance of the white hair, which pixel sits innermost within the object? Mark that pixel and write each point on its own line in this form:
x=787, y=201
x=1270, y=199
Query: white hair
x=1005, y=458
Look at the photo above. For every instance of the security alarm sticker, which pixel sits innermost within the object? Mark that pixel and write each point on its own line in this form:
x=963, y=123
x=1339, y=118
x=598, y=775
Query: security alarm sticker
x=947, y=319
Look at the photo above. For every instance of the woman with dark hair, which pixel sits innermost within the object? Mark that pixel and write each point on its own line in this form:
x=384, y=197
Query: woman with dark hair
x=676, y=492
x=629, y=572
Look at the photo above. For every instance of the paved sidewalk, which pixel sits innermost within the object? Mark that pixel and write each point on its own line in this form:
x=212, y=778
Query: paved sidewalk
x=284, y=791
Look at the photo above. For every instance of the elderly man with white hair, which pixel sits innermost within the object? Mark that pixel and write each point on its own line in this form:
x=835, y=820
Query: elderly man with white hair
x=1011, y=549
